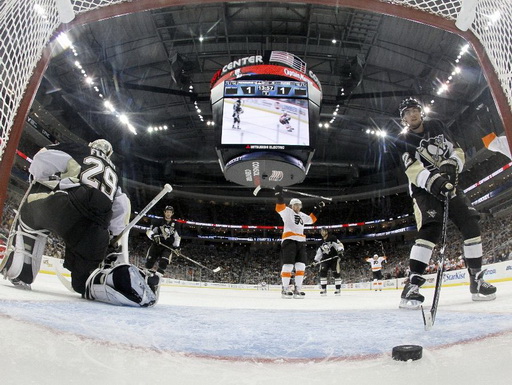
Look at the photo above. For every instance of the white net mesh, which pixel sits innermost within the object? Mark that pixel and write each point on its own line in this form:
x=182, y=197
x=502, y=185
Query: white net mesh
x=27, y=26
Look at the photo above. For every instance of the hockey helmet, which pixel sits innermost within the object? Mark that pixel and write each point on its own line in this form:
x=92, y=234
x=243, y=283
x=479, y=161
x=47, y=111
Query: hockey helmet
x=375, y=256
x=295, y=201
x=410, y=103
x=170, y=208
x=102, y=145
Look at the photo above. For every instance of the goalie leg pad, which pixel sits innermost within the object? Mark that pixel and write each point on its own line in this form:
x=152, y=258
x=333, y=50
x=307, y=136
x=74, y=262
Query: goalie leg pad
x=25, y=259
x=123, y=284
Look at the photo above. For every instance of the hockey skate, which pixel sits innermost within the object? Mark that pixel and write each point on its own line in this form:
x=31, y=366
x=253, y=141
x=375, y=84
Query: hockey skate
x=286, y=293
x=20, y=284
x=337, y=293
x=481, y=290
x=323, y=293
x=153, y=279
x=298, y=294
x=411, y=298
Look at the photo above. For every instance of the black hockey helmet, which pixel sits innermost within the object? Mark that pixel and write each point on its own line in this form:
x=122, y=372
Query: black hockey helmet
x=409, y=103
x=169, y=208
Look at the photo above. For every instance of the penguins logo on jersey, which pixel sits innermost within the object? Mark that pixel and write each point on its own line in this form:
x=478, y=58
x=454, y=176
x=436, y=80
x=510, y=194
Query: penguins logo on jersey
x=434, y=150
x=167, y=231
x=326, y=247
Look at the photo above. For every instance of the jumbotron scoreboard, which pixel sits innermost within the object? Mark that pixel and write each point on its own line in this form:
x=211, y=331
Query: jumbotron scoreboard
x=266, y=112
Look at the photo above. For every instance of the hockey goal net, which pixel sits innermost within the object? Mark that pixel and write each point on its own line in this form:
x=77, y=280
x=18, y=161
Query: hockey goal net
x=26, y=27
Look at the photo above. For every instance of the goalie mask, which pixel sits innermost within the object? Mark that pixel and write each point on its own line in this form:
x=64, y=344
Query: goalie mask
x=102, y=145
x=410, y=103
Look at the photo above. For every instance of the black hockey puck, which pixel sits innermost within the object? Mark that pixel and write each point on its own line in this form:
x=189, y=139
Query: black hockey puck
x=407, y=352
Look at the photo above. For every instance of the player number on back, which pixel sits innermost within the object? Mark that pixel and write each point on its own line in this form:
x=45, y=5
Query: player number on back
x=100, y=176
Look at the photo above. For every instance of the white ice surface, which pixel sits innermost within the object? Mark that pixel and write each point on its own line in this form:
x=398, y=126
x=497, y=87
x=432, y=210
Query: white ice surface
x=219, y=336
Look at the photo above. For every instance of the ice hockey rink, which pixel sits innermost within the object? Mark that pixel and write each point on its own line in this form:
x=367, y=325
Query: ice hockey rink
x=228, y=336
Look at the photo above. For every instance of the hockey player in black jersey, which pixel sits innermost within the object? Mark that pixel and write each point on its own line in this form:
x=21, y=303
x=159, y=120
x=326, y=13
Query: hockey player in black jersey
x=75, y=194
x=237, y=110
x=432, y=161
x=331, y=250
x=163, y=232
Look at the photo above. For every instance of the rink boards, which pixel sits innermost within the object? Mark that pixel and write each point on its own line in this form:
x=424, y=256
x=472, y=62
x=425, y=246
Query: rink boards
x=496, y=272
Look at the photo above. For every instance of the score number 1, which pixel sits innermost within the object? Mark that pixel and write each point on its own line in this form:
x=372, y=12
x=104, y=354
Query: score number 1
x=249, y=90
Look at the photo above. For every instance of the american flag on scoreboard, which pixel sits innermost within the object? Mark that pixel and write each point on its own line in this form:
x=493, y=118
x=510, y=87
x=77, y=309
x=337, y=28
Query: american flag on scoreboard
x=288, y=59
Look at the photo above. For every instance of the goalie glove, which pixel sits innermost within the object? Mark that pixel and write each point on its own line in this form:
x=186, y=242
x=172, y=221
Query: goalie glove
x=449, y=168
x=439, y=186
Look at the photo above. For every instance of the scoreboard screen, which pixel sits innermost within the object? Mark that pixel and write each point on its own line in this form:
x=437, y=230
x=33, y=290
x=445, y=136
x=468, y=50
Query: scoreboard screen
x=262, y=88
x=266, y=110
x=261, y=120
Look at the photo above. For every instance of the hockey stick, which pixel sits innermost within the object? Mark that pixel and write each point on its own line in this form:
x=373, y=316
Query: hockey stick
x=258, y=188
x=322, y=261
x=167, y=189
x=179, y=254
x=430, y=317
x=382, y=248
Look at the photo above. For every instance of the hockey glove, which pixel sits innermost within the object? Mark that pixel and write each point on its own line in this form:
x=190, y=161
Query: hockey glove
x=157, y=239
x=449, y=168
x=278, y=192
x=439, y=186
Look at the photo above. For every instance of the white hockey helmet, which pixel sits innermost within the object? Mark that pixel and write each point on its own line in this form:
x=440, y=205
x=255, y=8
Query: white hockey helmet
x=295, y=201
x=375, y=256
x=102, y=145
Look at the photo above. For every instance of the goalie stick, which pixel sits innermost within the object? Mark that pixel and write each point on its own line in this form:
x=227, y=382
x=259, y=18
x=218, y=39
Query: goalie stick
x=258, y=188
x=179, y=254
x=167, y=189
x=429, y=318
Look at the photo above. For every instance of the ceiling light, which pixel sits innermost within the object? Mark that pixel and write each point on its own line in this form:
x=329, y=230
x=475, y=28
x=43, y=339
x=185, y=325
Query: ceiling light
x=109, y=106
x=124, y=119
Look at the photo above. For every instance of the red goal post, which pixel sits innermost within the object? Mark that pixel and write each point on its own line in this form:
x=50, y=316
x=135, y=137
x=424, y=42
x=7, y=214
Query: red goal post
x=26, y=30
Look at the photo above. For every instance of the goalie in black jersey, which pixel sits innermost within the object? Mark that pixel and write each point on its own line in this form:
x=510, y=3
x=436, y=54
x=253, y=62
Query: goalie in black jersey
x=164, y=234
x=331, y=251
x=432, y=161
x=75, y=194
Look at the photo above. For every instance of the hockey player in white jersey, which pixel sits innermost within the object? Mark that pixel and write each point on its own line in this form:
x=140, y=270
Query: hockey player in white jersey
x=75, y=194
x=330, y=248
x=376, y=266
x=293, y=249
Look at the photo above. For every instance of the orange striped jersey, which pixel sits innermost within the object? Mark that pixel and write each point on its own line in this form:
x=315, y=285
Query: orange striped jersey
x=294, y=223
x=376, y=263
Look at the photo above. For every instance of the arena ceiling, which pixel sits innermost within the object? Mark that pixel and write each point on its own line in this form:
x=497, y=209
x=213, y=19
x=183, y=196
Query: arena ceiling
x=153, y=66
